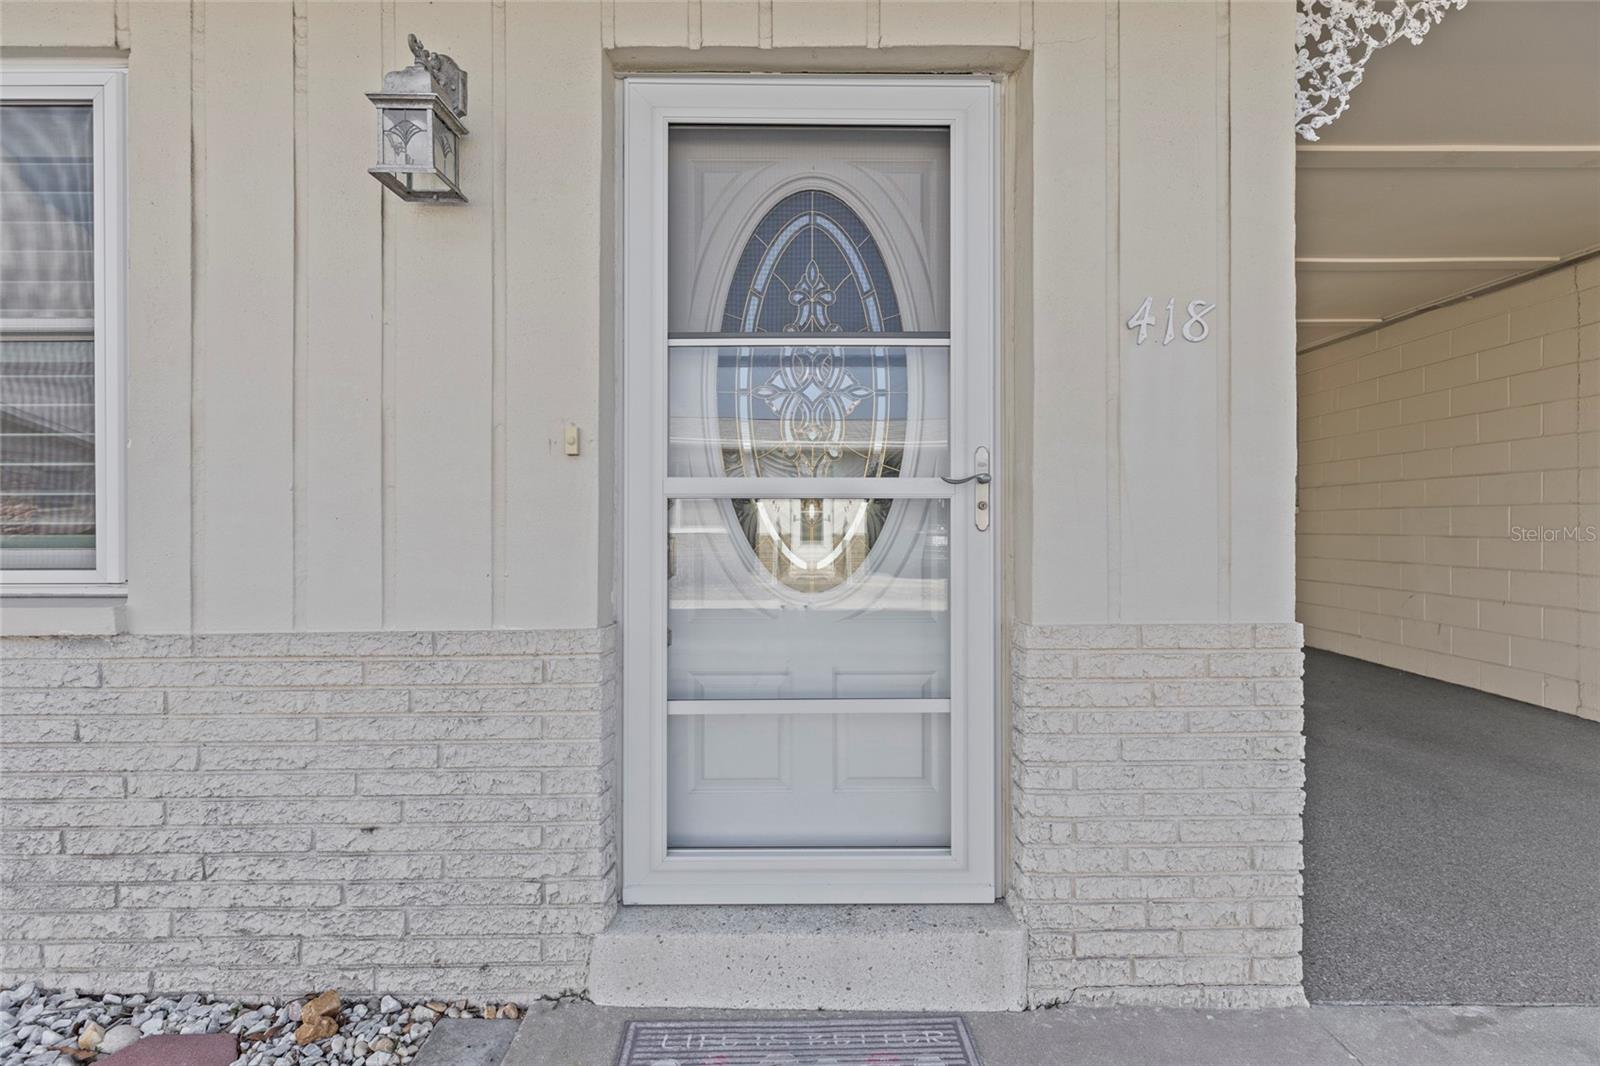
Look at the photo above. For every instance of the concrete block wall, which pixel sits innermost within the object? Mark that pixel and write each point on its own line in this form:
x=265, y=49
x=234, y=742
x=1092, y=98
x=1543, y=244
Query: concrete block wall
x=262, y=814
x=1157, y=785
x=1449, y=493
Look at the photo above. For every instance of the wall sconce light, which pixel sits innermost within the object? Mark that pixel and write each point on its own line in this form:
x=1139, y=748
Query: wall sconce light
x=419, y=128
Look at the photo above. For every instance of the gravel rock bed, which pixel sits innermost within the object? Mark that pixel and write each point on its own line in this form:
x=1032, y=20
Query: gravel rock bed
x=39, y=1027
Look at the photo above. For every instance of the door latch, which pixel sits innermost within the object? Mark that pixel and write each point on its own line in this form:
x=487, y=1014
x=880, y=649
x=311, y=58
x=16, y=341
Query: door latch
x=981, y=479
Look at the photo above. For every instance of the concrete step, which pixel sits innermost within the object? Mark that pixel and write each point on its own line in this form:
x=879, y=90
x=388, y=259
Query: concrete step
x=902, y=957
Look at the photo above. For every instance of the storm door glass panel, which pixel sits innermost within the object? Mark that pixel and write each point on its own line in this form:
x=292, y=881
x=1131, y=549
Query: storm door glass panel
x=808, y=410
x=808, y=645
x=47, y=348
x=812, y=231
x=805, y=621
x=840, y=599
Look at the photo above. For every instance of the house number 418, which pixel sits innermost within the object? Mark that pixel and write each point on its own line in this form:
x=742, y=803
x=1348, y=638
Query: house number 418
x=1195, y=329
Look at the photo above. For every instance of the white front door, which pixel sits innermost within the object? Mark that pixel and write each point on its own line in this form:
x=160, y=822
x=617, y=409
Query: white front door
x=808, y=621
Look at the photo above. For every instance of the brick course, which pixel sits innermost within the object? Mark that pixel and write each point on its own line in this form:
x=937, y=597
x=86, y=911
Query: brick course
x=263, y=814
x=1157, y=785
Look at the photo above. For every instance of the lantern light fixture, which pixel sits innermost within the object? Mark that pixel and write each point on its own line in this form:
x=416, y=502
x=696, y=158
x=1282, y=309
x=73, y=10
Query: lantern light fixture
x=419, y=128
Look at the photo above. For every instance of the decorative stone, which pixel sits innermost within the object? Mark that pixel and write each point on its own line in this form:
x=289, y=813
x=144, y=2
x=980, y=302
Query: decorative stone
x=319, y=1018
x=91, y=1036
x=63, y=1028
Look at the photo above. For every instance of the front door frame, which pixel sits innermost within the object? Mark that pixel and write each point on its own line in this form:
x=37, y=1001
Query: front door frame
x=966, y=872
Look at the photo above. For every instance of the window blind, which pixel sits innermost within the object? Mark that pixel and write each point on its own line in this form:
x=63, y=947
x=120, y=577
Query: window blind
x=47, y=344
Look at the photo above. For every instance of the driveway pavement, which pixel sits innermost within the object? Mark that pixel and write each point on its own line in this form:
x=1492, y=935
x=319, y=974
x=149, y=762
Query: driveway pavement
x=1452, y=843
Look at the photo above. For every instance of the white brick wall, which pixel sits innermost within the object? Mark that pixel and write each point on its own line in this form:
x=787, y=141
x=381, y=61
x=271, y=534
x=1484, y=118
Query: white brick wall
x=434, y=812
x=1157, y=787
x=266, y=814
x=1429, y=453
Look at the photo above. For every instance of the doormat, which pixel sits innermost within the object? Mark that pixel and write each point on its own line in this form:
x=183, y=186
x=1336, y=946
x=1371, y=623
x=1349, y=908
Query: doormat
x=907, y=1040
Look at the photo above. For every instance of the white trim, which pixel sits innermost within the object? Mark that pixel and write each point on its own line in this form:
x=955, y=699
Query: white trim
x=967, y=871
x=835, y=340
x=824, y=488
x=1447, y=156
x=1397, y=262
x=65, y=590
x=105, y=88
x=801, y=706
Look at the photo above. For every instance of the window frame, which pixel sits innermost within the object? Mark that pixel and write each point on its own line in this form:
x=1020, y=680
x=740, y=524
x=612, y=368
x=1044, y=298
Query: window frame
x=105, y=90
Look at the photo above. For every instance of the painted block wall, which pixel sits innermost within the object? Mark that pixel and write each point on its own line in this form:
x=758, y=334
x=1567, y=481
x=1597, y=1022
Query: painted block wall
x=1450, y=493
x=258, y=814
x=1156, y=795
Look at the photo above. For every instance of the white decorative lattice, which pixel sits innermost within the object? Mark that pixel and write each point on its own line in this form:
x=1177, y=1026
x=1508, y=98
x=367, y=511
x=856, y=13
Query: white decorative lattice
x=1335, y=39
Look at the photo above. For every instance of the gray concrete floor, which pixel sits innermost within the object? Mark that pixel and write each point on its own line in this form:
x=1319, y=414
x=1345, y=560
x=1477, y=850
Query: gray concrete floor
x=1452, y=843
x=582, y=1034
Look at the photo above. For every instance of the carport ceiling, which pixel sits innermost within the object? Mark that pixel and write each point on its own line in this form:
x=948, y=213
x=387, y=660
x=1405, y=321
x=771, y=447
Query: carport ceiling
x=1469, y=159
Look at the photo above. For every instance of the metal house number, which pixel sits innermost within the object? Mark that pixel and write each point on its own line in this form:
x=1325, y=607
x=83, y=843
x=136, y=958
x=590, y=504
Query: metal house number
x=1194, y=330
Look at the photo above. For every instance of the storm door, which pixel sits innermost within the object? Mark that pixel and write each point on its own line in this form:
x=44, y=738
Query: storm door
x=809, y=498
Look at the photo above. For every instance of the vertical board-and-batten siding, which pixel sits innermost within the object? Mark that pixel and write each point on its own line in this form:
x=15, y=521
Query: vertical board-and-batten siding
x=243, y=388
x=346, y=412
x=1159, y=476
x=1450, y=493
x=339, y=529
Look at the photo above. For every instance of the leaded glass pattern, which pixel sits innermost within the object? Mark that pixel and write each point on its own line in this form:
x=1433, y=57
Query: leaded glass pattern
x=812, y=411
x=811, y=266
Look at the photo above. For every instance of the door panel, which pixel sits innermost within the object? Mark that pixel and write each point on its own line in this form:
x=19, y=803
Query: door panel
x=842, y=622
x=808, y=780
x=808, y=705
x=782, y=238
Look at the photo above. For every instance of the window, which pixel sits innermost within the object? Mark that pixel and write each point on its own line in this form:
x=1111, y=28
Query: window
x=61, y=328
